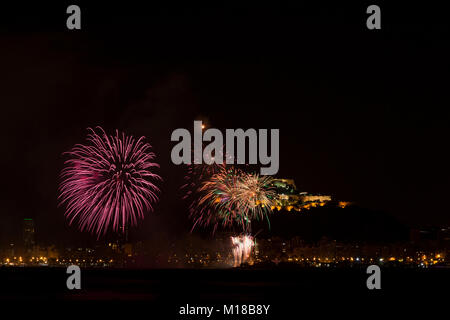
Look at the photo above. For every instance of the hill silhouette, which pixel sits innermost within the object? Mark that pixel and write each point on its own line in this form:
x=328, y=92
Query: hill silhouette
x=352, y=223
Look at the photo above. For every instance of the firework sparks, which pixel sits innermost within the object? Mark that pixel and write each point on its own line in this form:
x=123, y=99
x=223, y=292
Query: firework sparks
x=108, y=182
x=232, y=196
x=242, y=248
x=197, y=173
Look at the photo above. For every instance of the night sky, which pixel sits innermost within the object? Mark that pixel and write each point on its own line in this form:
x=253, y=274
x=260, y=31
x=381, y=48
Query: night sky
x=363, y=115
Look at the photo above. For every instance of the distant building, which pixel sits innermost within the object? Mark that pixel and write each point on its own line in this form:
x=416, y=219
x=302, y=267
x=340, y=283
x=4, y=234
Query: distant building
x=314, y=198
x=288, y=198
x=28, y=234
x=285, y=186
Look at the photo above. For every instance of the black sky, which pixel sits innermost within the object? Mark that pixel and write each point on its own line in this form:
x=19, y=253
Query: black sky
x=363, y=115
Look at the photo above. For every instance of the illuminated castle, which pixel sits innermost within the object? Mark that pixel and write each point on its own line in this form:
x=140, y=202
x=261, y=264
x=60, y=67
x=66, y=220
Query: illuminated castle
x=288, y=198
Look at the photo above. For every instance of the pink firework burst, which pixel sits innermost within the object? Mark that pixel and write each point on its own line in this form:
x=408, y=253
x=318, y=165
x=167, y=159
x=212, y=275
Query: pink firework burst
x=108, y=182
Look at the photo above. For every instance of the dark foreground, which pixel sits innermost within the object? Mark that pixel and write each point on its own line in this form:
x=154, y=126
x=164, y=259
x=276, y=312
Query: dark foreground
x=290, y=292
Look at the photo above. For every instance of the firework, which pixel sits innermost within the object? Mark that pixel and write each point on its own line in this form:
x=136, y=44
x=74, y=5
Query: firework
x=196, y=175
x=233, y=197
x=108, y=182
x=242, y=246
